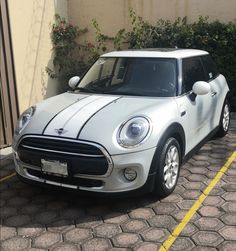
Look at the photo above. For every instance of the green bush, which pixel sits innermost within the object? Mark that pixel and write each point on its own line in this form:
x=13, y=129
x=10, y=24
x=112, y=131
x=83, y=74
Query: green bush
x=70, y=57
x=219, y=39
x=68, y=60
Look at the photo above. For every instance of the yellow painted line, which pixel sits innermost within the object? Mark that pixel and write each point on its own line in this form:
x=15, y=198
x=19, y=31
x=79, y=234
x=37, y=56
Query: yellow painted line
x=171, y=239
x=7, y=177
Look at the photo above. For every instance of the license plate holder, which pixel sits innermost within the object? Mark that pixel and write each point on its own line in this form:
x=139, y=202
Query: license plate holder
x=55, y=167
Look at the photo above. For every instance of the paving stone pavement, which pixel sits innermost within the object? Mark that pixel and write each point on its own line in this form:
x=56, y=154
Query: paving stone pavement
x=37, y=219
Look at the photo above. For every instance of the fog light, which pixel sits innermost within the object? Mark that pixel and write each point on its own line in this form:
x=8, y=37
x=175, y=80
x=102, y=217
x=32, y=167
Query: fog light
x=130, y=174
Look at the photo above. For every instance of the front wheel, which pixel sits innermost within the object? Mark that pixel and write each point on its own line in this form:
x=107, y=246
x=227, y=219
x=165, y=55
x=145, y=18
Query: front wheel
x=168, y=165
x=224, y=120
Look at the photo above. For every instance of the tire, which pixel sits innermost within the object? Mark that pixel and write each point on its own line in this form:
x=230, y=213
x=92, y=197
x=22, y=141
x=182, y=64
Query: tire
x=167, y=175
x=224, y=120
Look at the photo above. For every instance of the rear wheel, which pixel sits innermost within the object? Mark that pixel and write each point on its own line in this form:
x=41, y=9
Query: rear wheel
x=168, y=165
x=224, y=120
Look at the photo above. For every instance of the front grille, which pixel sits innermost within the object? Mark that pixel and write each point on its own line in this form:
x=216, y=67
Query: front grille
x=61, y=145
x=81, y=158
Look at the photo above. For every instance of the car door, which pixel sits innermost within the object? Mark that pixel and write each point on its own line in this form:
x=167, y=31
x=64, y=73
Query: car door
x=195, y=111
x=218, y=84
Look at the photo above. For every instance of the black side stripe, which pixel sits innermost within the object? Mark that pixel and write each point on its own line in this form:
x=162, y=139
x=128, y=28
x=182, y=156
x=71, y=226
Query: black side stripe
x=60, y=112
x=94, y=115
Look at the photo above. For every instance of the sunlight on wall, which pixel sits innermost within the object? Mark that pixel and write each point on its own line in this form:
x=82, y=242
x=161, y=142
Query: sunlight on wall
x=30, y=28
x=113, y=15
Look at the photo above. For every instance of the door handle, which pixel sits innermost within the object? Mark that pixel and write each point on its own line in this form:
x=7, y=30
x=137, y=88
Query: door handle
x=213, y=94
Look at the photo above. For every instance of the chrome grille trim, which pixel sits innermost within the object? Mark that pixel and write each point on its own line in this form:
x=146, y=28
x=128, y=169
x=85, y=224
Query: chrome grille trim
x=35, y=178
x=106, y=155
x=55, y=151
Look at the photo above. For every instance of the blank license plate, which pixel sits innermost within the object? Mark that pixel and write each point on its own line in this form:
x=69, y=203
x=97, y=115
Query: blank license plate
x=54, y=167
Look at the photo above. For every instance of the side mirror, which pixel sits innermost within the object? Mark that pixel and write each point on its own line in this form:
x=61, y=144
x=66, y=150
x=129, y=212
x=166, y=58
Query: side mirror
x=201, y=88
x=73, y=82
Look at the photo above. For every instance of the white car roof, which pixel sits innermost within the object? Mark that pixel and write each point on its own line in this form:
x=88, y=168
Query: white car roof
x=157, y=53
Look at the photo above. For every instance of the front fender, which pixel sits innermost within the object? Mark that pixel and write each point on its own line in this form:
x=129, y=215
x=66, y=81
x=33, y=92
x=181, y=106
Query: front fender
x=174, y=130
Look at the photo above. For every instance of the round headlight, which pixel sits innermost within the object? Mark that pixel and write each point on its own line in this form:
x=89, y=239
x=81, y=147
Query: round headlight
x=24, y=119
x=133, y=132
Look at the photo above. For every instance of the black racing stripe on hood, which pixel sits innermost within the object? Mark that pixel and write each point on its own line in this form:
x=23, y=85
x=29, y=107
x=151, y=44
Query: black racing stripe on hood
x=60, y=112
x=94, y=115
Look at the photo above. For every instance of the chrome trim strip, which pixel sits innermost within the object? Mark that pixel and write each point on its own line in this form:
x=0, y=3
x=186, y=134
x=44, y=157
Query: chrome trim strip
x=55, y=151
x=59, y=184
x=180, y=78
x=35, y=178
x=106, y=154
x=25, y=165
x=30, y=167
x=89, y=176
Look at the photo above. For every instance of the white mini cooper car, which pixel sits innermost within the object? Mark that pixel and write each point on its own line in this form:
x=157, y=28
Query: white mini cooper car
x=128, y=125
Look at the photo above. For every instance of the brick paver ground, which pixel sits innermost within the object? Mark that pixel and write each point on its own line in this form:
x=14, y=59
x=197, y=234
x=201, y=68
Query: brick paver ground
x=36, y=219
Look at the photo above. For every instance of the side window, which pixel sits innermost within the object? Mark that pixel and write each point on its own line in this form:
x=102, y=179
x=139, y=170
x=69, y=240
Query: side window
x=106, y=68
x=210, y=67
x=119, y=72
x=192, y=72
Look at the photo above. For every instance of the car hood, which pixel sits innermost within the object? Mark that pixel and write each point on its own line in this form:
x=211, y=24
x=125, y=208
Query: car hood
x=92, y=117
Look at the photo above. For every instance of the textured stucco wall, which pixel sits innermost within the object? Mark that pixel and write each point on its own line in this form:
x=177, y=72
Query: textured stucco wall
x=30, y=28
x=113, y=15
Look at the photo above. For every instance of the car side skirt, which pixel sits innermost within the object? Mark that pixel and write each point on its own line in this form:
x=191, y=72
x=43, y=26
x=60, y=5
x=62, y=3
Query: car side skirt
x=199, y=145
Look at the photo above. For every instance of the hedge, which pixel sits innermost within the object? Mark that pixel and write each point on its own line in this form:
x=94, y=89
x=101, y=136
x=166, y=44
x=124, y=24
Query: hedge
x=218, y=38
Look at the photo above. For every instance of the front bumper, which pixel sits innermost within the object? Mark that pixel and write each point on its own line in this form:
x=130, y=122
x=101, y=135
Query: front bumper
x=115, y=182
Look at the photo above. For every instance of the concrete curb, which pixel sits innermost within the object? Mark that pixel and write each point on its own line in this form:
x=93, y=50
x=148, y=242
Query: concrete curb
x=5, y=153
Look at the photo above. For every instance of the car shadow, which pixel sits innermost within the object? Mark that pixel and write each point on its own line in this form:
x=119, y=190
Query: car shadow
x=26, y=206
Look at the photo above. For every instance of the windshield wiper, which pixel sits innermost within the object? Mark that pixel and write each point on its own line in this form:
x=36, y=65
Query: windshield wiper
x=121, y=93
x=84, y=89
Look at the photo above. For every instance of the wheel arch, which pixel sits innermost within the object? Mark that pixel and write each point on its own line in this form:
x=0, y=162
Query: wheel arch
x=174, y=130
x=227, y=96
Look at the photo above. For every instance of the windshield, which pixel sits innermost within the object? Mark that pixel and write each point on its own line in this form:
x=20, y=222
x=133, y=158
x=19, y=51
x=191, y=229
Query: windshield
x=131, y=76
